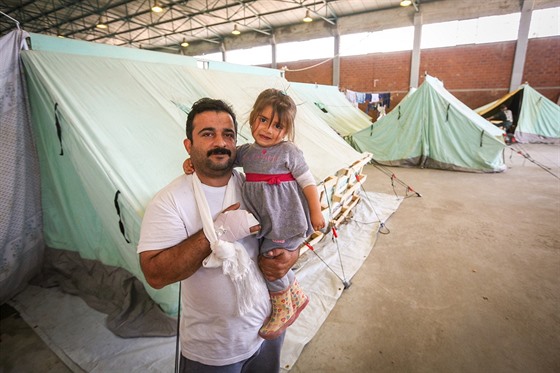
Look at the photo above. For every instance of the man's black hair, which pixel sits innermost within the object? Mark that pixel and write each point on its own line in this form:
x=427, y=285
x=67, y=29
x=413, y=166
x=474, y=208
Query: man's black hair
x=208, y=104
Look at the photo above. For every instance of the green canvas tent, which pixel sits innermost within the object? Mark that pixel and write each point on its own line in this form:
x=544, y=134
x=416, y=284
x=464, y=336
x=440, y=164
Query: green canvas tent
x=536, y=119
x=332, y=106
x=109, y=123
x=431, y=128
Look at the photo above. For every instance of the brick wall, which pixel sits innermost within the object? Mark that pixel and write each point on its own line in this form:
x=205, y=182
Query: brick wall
x=542, y=66
x=475, y=74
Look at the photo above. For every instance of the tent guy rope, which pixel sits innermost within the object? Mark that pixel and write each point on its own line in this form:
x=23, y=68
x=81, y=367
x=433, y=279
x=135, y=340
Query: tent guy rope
x=518, y=149
x=345, y=282
x=394, y=177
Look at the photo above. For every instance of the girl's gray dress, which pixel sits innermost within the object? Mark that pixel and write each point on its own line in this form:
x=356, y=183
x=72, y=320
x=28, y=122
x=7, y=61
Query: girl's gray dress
x=278, y=203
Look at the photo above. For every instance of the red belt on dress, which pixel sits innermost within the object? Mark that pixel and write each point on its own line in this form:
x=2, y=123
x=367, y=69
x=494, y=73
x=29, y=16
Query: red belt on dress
x=270, y=179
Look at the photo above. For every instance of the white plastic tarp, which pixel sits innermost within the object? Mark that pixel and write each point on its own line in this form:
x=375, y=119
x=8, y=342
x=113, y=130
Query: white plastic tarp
x=21, y=228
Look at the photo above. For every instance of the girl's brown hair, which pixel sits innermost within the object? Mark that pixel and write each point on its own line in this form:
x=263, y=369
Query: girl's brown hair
x=282, y=106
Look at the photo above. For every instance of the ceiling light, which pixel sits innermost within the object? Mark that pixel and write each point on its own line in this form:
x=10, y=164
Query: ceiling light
x=406, y=2
x=307, y=18
x=157, y=8
x=235, y=30
x=184, y=43
x=100, y=24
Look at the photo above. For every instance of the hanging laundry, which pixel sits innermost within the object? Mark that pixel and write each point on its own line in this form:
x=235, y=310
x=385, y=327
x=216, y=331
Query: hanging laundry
x=371, y=106
x=351, y=96
x=369, y=97
x=385, y=99
x=360, y=97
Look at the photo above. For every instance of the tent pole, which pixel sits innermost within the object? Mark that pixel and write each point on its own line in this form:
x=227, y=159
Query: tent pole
x=13, y=19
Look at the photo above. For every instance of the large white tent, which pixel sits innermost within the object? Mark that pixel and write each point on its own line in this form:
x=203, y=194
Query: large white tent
x=109, y=124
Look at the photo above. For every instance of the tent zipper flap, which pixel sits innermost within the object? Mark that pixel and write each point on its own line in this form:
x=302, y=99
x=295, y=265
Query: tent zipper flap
x=121, y=224
x=58, y=128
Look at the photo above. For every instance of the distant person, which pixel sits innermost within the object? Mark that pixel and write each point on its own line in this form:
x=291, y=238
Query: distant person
x=382, y=111
x=505, y=118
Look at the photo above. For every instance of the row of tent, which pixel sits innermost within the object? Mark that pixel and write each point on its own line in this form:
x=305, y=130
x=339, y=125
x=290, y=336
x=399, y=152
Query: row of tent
x=109, y=122
x=431, y=128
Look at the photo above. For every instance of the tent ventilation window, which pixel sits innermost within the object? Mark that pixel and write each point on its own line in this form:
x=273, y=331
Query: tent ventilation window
x=203, y=64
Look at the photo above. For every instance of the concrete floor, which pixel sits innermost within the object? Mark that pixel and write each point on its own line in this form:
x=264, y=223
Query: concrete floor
x=467, y=280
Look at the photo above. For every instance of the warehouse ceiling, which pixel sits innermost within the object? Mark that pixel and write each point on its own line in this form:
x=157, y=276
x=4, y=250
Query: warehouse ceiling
x=133, y=23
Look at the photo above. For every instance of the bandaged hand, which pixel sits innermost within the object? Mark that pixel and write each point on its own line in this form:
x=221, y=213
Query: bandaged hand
x=234, y=225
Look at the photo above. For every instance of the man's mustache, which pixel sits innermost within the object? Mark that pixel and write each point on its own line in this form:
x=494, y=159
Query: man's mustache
x=218, y=151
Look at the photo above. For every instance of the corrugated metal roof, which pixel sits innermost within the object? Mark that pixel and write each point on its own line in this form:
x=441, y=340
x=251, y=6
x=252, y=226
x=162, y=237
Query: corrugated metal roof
x=132, y=23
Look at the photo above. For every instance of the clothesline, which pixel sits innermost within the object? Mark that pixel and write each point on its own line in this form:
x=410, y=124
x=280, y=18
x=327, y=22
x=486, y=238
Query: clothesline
x=383, y=99
x=285, y=68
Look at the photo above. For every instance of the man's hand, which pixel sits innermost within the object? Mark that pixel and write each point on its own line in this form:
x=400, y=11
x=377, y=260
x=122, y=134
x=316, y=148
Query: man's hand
x=232, y=224
x=277, y=263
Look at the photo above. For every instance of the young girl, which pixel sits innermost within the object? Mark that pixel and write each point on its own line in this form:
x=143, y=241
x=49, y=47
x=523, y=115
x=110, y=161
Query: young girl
x=282, y=194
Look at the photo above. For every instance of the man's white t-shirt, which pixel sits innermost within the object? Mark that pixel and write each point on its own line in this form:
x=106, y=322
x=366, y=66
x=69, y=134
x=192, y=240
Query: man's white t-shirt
x=211, y=332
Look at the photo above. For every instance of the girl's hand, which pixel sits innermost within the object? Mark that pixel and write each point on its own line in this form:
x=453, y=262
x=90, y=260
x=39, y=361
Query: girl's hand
x=188, y=167
x=317, y=221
